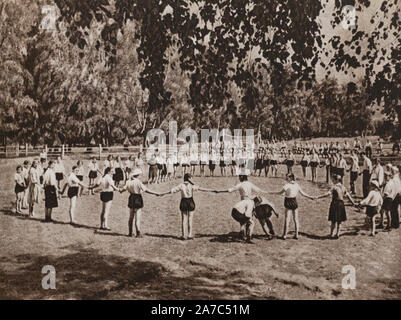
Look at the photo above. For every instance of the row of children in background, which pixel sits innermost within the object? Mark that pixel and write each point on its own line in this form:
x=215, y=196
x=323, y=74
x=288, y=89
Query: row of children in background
x=324, y=149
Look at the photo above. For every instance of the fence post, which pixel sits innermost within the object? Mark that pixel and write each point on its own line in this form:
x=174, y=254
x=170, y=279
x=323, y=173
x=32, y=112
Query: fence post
x=5, y=150
x=62, y=152
x=46, y=150
x=26, y=149
x=100, y=151
x=17, y=150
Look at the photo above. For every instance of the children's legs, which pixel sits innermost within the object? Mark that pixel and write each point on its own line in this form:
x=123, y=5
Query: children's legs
x=338, y=229
x=296, y=222
x=131, y=221
x=270, y=226
x=17, y=203
x=190, y=224
x=286, y=222
x=263, y=224
x=25, y=199
x=388, y=216
x=102, y=215
x=21, y=200
x=48, y=214
x=30, y=207
x=242, y=230
x=381, y=218
x=90, y=185
x=106, y=214
x=138, y=216
x=249, y=228
x=184, y=223
x=304, y=171
x=373, y=225
x=73, y=202
x=332, y=227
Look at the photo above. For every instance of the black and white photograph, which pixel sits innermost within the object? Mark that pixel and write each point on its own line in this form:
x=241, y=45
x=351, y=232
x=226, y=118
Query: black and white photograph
x=221, y=151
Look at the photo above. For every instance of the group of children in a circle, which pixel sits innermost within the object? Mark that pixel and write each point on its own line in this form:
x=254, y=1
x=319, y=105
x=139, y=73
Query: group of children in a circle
x=31, y=179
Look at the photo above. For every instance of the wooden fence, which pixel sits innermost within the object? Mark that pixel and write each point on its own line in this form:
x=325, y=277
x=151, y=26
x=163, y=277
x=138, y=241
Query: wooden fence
x=18, y=151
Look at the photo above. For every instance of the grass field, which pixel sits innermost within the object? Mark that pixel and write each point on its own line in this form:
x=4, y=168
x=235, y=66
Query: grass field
x=109, y=265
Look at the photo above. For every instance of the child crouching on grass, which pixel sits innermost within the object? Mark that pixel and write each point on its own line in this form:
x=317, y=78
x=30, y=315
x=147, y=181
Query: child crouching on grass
x=263, y=211
x=187, y=204
x=373, y=203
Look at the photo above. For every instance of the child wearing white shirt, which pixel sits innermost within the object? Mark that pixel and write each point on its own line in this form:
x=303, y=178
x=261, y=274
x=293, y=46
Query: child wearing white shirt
x=73, y=184
x=187, y=204
x=291, y=190
x=135, y=201
x=373, y=203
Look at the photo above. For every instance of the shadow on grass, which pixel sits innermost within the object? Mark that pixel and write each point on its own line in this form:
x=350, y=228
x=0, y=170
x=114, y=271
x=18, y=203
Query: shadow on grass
x=163, y=236
x=22, y=216
x=223, y=238
x=87, y=274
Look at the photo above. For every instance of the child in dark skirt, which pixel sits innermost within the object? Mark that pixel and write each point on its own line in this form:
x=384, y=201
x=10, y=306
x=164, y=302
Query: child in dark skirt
x=118, y=172
x=305, y=163
x=290, y=161
x=59, y=171
x=266, y=163
x=135, y=201
x=337, y=213
x=222, y=164
x=187, y=204
x=259, y=163
x=212, y=163
x=93, y=168
x=51, y=189
x=19, y=189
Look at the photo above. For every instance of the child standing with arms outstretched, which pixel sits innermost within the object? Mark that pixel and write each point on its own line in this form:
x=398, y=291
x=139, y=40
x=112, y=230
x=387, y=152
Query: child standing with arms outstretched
x=373, y=203
x=291, y=190
x=337, y=213
x=106, y=196
x=135, y=201
x=187, y=204
x=74, y=183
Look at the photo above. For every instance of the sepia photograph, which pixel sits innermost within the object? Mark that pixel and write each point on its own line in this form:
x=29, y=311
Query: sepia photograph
x=218, y=151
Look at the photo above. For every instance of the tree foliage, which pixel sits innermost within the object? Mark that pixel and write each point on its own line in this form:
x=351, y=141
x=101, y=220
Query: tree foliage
x=113, y=69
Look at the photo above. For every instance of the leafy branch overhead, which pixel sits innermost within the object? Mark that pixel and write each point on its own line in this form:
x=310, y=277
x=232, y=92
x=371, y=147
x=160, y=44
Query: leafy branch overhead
x=112, y=69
